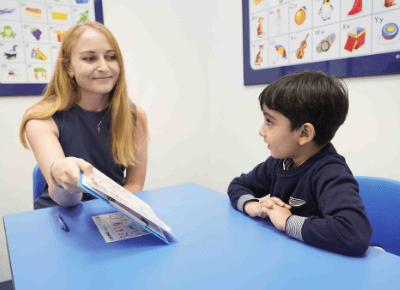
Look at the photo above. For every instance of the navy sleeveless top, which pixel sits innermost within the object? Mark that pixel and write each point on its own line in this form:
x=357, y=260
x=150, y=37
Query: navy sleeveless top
x=79, y=137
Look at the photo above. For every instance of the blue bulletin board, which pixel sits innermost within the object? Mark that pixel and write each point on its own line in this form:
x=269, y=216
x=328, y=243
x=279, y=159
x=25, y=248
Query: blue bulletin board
x=346, y=38
x=30, y=38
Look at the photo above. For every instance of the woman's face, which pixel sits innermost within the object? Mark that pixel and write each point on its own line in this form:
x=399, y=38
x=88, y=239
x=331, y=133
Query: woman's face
x=94, y=64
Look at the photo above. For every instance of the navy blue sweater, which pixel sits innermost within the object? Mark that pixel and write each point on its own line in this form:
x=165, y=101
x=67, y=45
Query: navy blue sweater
x=327, y=209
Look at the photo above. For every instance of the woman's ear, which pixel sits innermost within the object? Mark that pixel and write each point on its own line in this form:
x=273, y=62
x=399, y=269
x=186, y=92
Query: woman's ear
x=70, y=72
x=307, y=133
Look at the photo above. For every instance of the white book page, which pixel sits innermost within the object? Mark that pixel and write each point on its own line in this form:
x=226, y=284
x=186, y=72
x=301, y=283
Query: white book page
x=102, y=183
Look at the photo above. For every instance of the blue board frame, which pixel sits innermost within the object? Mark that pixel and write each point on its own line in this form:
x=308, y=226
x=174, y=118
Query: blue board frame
x=377, y=64
x=38, y=89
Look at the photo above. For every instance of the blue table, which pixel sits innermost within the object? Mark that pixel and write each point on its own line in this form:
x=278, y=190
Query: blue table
x=217, y=247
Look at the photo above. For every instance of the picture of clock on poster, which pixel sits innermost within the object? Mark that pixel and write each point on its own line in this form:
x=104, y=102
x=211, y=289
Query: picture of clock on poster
x=341, y=37
x=30, y=38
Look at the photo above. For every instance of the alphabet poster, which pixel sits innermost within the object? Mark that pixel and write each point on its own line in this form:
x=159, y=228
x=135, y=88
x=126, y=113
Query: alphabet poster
x=341, y=37
x=30, y=38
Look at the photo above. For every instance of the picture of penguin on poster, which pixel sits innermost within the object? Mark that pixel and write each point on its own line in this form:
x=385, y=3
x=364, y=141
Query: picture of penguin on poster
x=326, y=10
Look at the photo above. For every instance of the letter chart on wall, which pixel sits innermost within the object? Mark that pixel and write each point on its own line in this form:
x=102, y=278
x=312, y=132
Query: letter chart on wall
x=30, y=37
x=342, y=37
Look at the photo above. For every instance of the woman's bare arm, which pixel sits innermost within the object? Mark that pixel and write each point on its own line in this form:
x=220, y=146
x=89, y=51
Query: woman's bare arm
x=136, y=174
x=42, y=136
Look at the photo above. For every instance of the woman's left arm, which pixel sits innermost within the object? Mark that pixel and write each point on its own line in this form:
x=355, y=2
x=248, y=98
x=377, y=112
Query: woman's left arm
x=136, y=174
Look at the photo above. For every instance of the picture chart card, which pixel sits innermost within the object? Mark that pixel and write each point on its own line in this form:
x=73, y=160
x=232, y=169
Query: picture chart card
x=342, y=37
x=116, y=227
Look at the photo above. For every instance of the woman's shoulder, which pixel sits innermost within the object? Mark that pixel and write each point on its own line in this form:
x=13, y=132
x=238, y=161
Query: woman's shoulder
x=140, y=120
x=33, y=110
x=138, y=111
x=38, y=123
x=39, y=107
x=34, y=126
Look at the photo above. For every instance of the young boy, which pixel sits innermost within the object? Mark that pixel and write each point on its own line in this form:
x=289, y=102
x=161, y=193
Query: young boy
x=305, y=187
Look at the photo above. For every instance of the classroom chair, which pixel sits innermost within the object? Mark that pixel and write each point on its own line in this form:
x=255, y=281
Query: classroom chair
x=381, y=198
x=38, y=182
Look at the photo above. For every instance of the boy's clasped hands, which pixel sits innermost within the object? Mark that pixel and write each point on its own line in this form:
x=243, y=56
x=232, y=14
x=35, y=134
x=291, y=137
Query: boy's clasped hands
x=271, y=207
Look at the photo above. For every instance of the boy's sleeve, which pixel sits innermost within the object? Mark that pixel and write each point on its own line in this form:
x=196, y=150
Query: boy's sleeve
x=251, y=186
x=344, y=227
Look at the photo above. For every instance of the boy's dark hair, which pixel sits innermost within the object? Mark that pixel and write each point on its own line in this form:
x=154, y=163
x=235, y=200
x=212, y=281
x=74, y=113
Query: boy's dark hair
x=309, y=97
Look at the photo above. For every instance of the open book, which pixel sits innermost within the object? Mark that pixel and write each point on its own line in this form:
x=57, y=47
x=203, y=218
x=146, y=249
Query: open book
x=124, y=201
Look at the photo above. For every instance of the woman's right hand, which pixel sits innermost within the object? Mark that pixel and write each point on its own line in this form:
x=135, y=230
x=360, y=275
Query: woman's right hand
x=65, y=172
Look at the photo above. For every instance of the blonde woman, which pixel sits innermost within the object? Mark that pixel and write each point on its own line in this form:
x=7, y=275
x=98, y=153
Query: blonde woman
x=86, y=119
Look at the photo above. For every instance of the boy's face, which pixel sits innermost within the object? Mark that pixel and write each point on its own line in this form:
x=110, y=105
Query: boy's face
x=282, y=142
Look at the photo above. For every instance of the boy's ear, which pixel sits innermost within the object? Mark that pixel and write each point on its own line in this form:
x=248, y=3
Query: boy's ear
x=307, y=133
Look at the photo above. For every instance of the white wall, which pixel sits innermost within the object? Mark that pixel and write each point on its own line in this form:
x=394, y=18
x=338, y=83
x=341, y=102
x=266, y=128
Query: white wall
x=165, y=55
x=185, y=68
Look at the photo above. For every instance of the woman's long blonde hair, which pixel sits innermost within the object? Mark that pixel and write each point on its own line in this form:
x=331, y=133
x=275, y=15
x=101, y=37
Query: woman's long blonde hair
x=62, y=92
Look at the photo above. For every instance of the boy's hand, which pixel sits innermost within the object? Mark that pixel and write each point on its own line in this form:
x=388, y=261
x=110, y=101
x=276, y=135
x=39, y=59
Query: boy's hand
x=269, y=202
x=278, y=216
x=254, y=209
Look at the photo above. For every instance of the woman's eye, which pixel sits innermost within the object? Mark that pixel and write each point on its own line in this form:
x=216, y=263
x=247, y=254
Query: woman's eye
x=112, y=57
x=89, y=58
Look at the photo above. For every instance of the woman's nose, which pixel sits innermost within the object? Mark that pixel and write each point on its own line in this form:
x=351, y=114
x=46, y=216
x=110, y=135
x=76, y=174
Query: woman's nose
x=102, y=64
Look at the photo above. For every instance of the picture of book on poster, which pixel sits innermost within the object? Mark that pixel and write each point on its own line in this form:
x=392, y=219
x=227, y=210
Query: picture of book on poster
x=125, y=202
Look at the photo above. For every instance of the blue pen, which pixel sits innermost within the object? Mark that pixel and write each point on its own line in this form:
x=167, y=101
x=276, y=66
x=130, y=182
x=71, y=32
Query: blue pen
x=64, y=227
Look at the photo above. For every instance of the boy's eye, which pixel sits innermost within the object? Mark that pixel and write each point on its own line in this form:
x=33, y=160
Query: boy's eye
x=268, y=121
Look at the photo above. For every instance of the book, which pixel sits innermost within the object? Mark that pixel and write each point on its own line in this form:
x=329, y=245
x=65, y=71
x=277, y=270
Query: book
x=125, y=202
